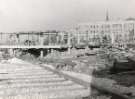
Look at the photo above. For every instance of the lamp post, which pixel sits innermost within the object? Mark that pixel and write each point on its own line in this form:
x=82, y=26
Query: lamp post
x=69, y=42
x=18, y=41
x=78, y=41
x=41, y=38
x=49, y=37
x=41, y=43
x=57, y=37
x=1, y=39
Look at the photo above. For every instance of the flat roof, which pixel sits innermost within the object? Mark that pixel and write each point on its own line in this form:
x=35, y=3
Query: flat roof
x=29, y=47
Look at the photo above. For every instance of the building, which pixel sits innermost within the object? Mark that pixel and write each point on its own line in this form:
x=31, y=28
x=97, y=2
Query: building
x=62, y=37
x=73, y=35
x=33, y=37
x=115, y=31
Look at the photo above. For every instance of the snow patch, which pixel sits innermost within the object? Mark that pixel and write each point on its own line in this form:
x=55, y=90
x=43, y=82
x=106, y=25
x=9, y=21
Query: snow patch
x=17, y=61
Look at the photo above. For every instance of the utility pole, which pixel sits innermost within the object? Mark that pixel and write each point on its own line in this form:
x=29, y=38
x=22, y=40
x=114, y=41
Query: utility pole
x=78, y=32
x=1, y=35
x=49, y=37
x=69, y=42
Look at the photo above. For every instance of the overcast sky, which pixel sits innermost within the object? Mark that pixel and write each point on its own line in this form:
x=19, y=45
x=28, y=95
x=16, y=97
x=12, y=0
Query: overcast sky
x=35, y=15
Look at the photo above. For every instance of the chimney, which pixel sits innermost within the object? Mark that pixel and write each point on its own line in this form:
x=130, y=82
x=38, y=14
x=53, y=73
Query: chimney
x=107, y=18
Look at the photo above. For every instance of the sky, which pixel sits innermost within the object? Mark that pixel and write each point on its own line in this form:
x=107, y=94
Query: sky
x=40, y=15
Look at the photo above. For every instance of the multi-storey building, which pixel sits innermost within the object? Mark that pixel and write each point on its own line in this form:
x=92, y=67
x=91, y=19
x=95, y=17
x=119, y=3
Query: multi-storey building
x=62, y=37
x=116, y=31
x=33, y=37
x=73, y=34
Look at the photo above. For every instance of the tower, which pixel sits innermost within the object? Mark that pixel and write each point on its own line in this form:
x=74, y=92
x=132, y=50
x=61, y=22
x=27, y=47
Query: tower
x=107, y=18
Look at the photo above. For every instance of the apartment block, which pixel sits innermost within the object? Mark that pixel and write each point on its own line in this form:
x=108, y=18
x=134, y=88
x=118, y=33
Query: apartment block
x=115, y=31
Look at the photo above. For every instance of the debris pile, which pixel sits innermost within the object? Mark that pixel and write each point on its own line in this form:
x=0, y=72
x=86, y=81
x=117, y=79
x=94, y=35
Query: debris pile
x=73, y=53
x=27, y=56
x=16, y=60
x=80, y=67
x=53, y=54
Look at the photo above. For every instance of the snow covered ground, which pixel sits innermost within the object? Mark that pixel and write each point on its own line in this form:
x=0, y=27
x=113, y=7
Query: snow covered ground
x=17, y=61
x=84, y=77
x=23, y=80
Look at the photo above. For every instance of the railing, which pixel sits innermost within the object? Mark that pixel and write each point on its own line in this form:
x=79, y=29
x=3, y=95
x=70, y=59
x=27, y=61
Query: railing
x=30, y=44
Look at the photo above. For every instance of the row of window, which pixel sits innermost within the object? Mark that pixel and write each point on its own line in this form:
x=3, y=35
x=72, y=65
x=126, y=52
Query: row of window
x=95, y=36
x=115, y=29
x=93, y=27
x=103, y=26
x=95, y=31
x=119, y=36
x=116, y=26
x=115, y=35
x=130, y=25
x=126, y=31
x=129, y=29
x=106, y=31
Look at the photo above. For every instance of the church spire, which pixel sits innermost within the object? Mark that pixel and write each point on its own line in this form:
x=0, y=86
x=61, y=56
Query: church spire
x=107, y=18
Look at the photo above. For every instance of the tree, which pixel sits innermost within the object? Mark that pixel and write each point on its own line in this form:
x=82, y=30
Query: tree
x=28, y=42
x=53, y=39
x=117, y=39
x=105, y=41
x=131, y=36
x=46, y=42
x=96, y=40
x=82, y=39
x=74, y=40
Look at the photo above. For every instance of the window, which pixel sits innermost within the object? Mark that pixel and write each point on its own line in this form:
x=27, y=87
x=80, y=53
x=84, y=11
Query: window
x=102, y=31
x=119, y=26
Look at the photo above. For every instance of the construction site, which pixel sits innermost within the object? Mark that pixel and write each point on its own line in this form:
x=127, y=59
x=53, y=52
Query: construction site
x=71, y=49
x=81, y=71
